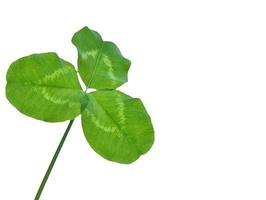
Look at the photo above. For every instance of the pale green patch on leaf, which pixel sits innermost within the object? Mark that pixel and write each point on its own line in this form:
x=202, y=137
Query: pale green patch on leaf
x=100, y=63
x=117, y=126
x=44, y=87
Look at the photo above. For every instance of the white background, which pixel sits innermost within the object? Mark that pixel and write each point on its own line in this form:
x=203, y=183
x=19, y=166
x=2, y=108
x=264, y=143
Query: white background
x=199, y=67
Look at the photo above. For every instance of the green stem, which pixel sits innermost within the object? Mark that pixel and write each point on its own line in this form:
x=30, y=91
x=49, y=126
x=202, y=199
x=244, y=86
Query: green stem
x=46, y=176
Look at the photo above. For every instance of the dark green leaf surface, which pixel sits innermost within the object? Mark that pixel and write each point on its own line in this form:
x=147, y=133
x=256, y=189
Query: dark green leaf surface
x=117, y=126
x=100, y=63
x=44, y=87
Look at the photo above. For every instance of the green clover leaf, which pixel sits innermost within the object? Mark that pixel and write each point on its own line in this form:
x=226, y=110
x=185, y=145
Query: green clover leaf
x=46, y=87
x=100, y=63
x=117, y=126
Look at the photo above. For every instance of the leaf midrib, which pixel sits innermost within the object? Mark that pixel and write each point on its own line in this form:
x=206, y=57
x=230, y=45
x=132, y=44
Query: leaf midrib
x=96, y=64
x=41, y=85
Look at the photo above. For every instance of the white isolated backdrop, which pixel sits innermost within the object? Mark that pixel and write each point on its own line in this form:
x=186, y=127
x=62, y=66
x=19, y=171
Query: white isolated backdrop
x=198, y=66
